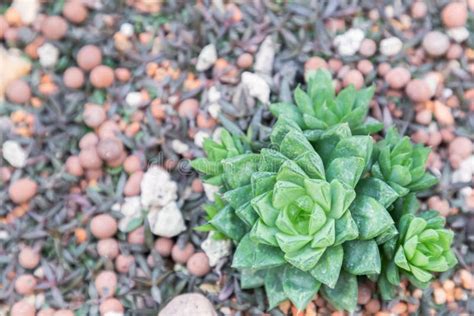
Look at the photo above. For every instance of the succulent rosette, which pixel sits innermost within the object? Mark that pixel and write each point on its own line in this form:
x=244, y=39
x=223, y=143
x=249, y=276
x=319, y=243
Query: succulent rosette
x=319, y=108
x=322, y=204
x=402, y=165
x=229, y=146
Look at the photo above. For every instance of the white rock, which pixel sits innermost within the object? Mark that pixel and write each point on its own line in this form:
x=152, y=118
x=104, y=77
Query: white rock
x=157, y=188
x=191, y=304
x=210, y=191
x=114, y=314
x=215, y=249
x=127, y=29
x=131, y=209
x=48, y=55
x=39, y=299
x=39, y=272
x=179, y=147
x=28, y=9
x=458, y=34
x=207, y=58
x=391, y=46
x=166, y=221
x=213, y=95
x=134, y=99
x=265, y=56
x=14, y=154
x=256, y=86
x=4, y=235
x=214, y=109
x=348, y=44
x=465, y=171
x=200, y=137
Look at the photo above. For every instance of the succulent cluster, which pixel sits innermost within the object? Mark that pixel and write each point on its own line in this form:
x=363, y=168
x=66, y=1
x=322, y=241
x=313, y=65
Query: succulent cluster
x=322, y=204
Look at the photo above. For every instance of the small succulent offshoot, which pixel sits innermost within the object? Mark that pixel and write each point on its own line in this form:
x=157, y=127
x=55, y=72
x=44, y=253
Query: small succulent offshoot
x=319, y=206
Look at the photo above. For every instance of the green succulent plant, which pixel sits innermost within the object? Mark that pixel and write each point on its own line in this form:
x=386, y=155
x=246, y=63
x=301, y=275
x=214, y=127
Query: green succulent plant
x=310, y=212
x=402, y=165
x=318, y=108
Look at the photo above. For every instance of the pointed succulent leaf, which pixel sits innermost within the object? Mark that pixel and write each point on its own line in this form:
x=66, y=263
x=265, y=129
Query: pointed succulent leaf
x=228, y=223
x=299, y=286
x=347, y=170
x=344, y=294
x=361, y=257
x=251, y=279
x=377, y=189
x=274, y=286
x=287, y=110
x=371, y=217
x=329, y=266
x=238, y=170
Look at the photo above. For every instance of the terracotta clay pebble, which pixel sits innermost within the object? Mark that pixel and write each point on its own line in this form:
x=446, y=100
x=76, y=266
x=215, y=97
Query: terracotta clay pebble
x=75, y=11
x=123, y=263
x=106, y=283
x=373, y=306
x=73, y=166
x=94, y=115
x=188, y=108
x=245, y=61
x=110, y=149
x=418, y=90
x=436, y=43
x=88, y=140
x=424, y=117
x=90, y=159
x=88, y=57
x=198, y=264
x=46, y=312
x=18, y=91
x=108, y=248
x=63, y=312
x=315, y=63
x=181, y=255
x=419, y=9
x=22, y=308
x=164, y=245
x=454, y=14
x=461, y=147
x=28, y=258
x=132, y=186
x=73, y=78
x=22, y=190
x=353, y=77
x=368, y=47
x=111, y=306
x=102, y=76
x=132, y=164
x=103, y=226
x=25, y=284
x=54, y=27
x=397, y=77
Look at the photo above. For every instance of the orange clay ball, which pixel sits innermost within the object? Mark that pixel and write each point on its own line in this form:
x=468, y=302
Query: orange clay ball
x=102, y=77
x=18, y=91
x=132, y=187
x=112, y=306
x=103, y=226
x=25, y=284
x=198, y=264
x=88, y=57
x=110, y=149
x=63, y=312
x=132, y=164
x=23, y=308
x=94, y=115
x=75, y=12
x=28, y=258
x=89, y=158
x=54, y=27
x=108, y=248
x=22, y=190
x=73, y=78
x=88, y=140
x=164, y=245
x=123, y=263
x=181, y=255
x=106, y=283
x=73, y=166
